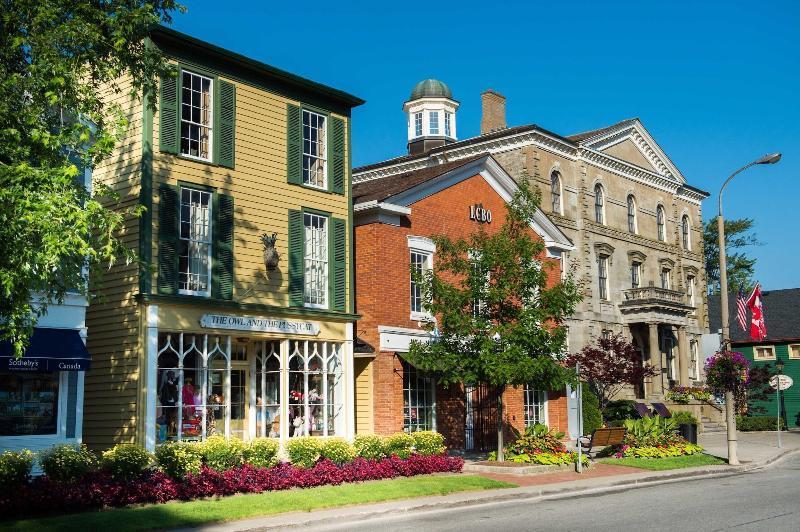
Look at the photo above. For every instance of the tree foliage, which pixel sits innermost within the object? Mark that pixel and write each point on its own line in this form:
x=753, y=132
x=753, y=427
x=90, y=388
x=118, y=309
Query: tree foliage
x=609, y=365
x=741, y=267
x=56, y=56
x=497, y=320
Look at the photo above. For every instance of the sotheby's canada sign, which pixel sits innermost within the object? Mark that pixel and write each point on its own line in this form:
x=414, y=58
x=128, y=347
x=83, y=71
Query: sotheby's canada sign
x=253, y=323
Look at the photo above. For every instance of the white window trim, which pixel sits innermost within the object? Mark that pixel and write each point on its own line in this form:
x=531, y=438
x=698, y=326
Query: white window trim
x=324, y=159
x=210, y=120
x=545, y=406
x=757, y=347
x=789, y=348
x=421, y=132
x=424, y=246
x=201, y=293
x=327, y=263
x=431, y=114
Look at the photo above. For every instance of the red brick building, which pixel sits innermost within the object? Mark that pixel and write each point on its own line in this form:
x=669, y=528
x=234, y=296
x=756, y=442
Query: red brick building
x=395, y=218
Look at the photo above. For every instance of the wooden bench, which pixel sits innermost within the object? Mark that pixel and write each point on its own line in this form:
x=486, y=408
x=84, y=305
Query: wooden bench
x=602, y=438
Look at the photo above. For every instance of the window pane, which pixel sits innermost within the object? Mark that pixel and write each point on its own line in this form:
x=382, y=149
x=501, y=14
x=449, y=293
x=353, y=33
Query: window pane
x=433, y=117
x=28, y=404
x=316, y=260
x=196, y=111
x=417, y=400
x=535, y=406
x=194, y=247
x=314, y=149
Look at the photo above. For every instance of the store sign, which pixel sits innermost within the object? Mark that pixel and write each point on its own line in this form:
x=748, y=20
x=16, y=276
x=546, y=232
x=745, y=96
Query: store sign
x=252, y=323
x=479, y=214
x=38, y=365
x=786, y=382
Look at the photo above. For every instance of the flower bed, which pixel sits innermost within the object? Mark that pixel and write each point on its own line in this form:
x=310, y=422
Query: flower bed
x=75, y=480
x=96, y=490
x=652, y=438
x=658, y=451
x=684, y=394
x=539, y=446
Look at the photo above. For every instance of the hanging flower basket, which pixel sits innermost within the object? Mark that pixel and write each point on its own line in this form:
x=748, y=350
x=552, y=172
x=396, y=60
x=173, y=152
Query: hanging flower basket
x=727, y=371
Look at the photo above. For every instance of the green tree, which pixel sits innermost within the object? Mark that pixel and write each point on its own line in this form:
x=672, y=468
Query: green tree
x=497, y=320
x=738, y=235
x=56, y=56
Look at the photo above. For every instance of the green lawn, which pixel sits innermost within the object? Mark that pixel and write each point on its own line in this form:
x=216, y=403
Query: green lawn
x=194, y=513
x=662, y=464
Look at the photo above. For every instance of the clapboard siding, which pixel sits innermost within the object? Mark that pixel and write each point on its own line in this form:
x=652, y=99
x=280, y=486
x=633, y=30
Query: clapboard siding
x=362, y=368
x=111, y=387
x=258, y=183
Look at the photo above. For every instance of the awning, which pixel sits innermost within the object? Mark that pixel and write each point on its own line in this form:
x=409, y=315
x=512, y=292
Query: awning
x=49, y=350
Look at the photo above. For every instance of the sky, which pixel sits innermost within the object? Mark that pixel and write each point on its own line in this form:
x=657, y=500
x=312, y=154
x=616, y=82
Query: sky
x=717, y=84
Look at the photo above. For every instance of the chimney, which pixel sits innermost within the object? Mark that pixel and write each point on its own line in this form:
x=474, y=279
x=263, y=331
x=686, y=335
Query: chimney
x=493, y=107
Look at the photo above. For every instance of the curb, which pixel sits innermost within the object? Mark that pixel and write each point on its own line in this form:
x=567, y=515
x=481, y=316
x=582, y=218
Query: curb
x=530, y=494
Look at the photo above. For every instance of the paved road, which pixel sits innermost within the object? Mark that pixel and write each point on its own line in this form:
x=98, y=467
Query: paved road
x=757, y=501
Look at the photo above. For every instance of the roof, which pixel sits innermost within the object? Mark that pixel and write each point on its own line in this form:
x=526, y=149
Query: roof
x=780, y=315
x=580, y=137
x=431, y=88
x=162, y=35
x=380, y=189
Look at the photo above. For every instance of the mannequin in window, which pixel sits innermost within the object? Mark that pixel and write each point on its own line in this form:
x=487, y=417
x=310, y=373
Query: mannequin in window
x=168, y=395
x=187, y=396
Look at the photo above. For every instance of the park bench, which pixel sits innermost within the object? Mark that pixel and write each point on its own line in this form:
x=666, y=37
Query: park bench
x=602, y=438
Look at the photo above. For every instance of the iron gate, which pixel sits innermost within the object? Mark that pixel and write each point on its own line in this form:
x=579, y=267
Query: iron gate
x=481, y=419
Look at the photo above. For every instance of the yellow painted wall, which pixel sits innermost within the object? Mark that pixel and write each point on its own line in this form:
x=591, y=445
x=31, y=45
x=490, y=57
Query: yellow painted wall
x=111, y=389
x=362, y=368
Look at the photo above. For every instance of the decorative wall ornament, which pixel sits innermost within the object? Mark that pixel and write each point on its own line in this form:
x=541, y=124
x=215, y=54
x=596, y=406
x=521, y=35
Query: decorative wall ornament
x=271, y=256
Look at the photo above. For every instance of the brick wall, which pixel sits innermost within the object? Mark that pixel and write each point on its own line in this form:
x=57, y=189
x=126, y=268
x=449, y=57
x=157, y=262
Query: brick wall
x=383, y=298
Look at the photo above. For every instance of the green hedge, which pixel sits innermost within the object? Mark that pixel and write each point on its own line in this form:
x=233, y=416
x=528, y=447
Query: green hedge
x=591, y=411
x=126, y=461
x=369, y=446
x=68, y=462
x=758, y=423
x=179, y=459
x=262, y=452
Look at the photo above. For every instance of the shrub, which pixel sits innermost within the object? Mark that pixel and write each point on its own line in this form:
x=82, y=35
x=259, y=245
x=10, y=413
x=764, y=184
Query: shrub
x=399, y=444
x=67, y=462
x=15, y=467
x=619, y=410
x=126, y=461
x=221, y=454
x=179, y=459
x=756, y=423
x=369, y=446
x=591, y=411
x=658, y=451
x=428, y=442
x=337, y=450
x=304, y=451
x=682, y=417
x=537, y=439
x=261, y=452
x=651, y=431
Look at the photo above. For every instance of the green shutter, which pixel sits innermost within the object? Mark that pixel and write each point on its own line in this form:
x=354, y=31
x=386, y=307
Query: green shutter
x=336, y=130
x=225, y=124
x=168, y=208
x=168, y=113
x=222, y=242
x=338, y=265
x=296, y=258
x=294, y=142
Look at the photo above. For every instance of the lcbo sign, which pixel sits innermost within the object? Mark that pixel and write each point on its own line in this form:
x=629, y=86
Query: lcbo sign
x=479, y=214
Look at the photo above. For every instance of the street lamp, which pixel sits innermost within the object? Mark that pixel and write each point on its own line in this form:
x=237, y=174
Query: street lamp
x=779, y=368
x=730, y=416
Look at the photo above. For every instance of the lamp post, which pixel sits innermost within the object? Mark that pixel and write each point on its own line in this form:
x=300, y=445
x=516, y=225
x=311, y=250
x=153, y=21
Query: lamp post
x=779, y=368
x=730, y=415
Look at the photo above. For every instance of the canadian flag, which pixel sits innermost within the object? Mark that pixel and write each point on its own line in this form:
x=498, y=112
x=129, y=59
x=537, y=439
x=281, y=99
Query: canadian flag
x=758, y=329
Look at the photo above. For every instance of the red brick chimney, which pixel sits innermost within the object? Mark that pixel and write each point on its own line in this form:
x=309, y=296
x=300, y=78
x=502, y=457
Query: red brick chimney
x=493, y=107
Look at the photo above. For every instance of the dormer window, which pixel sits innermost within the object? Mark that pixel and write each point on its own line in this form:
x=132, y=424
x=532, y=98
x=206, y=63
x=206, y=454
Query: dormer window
x=433, y=118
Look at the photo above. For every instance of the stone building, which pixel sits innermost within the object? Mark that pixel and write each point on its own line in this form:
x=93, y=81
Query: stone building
x=633, y=220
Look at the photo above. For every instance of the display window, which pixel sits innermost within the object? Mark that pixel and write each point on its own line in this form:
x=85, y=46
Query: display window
x=28, y=404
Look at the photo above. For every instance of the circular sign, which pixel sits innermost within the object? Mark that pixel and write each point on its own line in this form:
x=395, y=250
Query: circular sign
x=786, y=382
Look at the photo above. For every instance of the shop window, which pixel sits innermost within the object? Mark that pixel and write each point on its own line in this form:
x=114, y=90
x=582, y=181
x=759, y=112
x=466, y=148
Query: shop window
x=28, y=404
x=418, y=400
x=315, y=394
x=192, y=399
x=535, y=405
x=268, y=388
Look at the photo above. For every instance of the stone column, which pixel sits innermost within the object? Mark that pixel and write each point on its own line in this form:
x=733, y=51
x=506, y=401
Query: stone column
x=656, y=388
x=683, y=356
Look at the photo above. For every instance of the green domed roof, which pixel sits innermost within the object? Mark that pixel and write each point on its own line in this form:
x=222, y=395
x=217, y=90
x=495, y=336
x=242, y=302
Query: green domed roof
x=430, y=88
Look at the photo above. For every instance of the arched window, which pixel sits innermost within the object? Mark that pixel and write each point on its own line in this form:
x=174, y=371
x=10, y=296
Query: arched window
x=598, y=204
x=555, y=189
x=631, y=214
x=685, y=232
x=660, y=217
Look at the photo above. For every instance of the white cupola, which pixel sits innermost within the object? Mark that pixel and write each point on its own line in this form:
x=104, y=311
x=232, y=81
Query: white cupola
x=431, y=116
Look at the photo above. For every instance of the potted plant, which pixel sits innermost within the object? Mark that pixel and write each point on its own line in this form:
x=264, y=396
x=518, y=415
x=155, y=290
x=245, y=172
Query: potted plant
x=687, y=425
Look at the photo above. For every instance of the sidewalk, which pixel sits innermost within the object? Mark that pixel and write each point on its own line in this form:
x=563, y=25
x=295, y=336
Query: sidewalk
x=755, y=450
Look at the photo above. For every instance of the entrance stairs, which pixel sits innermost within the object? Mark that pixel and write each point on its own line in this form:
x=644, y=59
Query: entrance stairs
x=711, y=426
